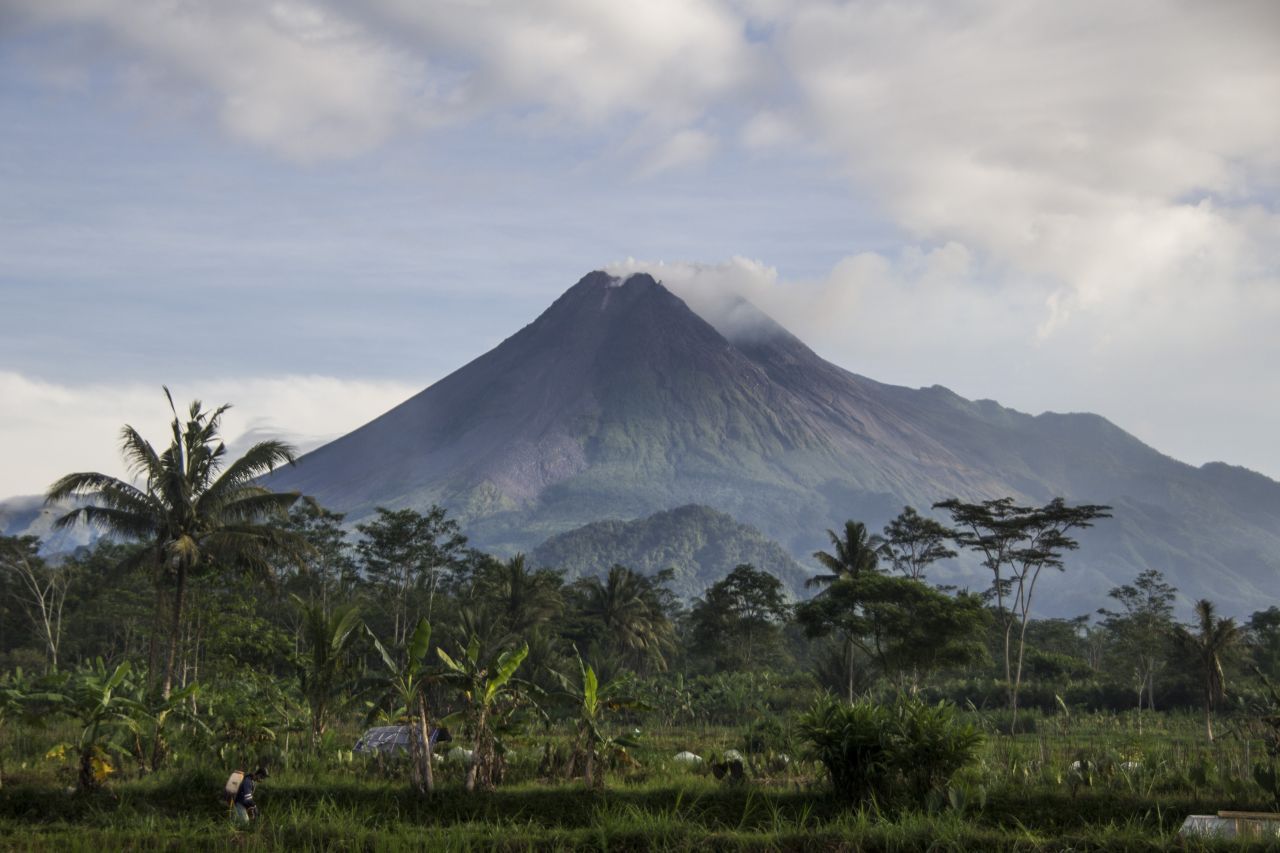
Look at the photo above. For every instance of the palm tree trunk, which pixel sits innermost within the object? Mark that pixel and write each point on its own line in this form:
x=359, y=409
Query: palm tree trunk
x=848, y=662
x=175, y=630
x=153, y=646
x=1208, y=711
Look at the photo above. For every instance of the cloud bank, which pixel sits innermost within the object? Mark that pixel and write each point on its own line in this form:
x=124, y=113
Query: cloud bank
x=83, y=422
x=1086, y=196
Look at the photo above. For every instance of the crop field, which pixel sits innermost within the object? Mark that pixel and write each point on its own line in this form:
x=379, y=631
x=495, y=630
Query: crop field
x=1083, y=783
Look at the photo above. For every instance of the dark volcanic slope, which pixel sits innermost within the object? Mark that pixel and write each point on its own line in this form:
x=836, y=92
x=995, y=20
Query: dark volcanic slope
x=619, y=401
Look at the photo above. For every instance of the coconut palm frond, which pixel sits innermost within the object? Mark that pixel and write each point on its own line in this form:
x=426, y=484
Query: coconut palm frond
x=196, y=519
x=141, y=459
x=262, y=458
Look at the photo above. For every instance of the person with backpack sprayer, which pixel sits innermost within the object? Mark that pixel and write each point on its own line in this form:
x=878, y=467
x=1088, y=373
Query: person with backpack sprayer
x=239, y=793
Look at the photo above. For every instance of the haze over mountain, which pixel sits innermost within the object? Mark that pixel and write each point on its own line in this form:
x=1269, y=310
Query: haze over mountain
x=619, y=401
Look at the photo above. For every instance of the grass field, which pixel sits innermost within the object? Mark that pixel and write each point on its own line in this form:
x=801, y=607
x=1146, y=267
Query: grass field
x=1087, y=783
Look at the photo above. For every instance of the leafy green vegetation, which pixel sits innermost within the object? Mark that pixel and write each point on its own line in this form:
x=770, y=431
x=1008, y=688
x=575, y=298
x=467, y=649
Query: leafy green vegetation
x=699, y=544
x=715, y=724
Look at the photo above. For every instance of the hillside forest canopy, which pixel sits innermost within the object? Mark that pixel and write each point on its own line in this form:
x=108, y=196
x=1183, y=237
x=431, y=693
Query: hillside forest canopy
x=222, y=625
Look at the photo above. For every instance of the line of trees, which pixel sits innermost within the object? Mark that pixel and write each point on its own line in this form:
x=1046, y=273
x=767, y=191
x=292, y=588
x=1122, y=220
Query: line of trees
x=212, y=579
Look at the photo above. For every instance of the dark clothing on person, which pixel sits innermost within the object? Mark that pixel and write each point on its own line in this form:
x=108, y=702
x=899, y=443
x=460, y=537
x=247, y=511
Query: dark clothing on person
x=244, y=796
x=246, y=808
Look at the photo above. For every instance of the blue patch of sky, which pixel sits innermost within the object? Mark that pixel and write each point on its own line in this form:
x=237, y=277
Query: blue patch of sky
x=135, y=247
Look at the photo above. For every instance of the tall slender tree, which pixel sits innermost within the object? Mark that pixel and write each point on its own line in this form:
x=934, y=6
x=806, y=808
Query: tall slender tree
x=329, y=571
x=1017, y=543
x=852, y=555
x=1142, y=628
x=196, y=512
x=405, y=552
x=1214, y=637
x=40, y=588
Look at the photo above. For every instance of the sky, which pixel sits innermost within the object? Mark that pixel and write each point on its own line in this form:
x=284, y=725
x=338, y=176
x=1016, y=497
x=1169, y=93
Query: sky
x=314, y=209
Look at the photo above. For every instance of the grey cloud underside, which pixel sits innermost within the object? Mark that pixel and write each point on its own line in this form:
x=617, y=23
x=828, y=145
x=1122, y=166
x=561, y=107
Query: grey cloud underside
x=619, y=401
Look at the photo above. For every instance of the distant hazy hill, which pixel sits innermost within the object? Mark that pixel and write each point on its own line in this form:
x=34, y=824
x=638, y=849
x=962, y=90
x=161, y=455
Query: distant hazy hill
x=28, y=516
x=619, y=402
x=702, y=545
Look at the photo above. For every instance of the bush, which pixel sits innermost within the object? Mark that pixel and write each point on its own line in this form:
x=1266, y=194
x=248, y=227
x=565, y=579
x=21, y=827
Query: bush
x=903, y=753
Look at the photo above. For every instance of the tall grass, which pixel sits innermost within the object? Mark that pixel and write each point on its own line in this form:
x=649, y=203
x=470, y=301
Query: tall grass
x=1091, y=782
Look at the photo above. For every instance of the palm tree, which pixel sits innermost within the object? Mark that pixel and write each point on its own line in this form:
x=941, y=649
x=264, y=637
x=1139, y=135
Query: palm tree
x=856, y=552
x=522, y=598
x=627, y=614
x=1214, y=638
x=196, y=513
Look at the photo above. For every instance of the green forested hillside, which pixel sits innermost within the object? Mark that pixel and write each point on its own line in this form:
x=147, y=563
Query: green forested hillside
x=702, y=545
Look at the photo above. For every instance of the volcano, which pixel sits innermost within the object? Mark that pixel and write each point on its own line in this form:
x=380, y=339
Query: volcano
x=619, y=401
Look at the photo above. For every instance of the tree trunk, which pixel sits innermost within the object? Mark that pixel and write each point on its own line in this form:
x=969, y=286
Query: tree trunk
x=153, y=647
x=85, y=775
x=1008, y=659
x=848, y=662
x=589, y=765
x=1016, y=685
x=478, y=754
x=175, y=631
x=424, y=732
x=1208, y=713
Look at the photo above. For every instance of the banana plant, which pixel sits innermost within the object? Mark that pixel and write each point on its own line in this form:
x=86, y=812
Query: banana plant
x=592, y=701
x=161, y=711
x=484, y=686
x=324, y=669
x=404, y=698
x=93, y=698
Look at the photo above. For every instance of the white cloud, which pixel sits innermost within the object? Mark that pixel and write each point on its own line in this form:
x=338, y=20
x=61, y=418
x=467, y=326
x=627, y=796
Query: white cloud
x=293, y=77
x=314, y=79
x=1113, y=150
x=665, y=60
x=49, y=429
x=682, y=149
x=770, y=129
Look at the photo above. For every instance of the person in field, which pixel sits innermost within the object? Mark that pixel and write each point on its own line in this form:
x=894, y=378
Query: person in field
x=246, y=807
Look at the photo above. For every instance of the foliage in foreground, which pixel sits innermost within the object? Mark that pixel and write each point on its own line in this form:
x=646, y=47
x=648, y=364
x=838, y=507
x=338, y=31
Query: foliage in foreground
x=892, y=755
